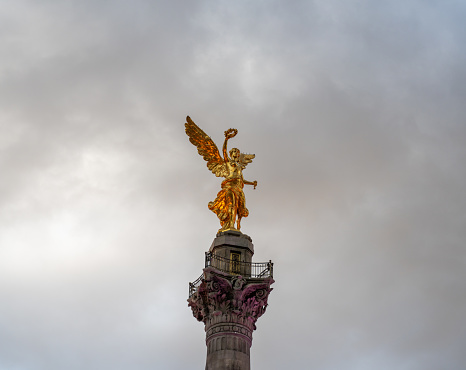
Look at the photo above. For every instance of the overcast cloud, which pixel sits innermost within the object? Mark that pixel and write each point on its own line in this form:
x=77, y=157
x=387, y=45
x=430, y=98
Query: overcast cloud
x=356, y=113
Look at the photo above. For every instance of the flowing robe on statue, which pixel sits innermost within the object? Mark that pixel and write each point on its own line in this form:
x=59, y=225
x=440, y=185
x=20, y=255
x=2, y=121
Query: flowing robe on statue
x=229, y=199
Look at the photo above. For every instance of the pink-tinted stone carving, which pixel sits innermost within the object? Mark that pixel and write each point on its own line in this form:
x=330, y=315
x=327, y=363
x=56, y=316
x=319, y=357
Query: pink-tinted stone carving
x=229, y=304
x=223, y=294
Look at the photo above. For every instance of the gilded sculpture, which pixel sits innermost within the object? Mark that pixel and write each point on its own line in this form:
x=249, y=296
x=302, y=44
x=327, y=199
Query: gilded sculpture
x=230, y=203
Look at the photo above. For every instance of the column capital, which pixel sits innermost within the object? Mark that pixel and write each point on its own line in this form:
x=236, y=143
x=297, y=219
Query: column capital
x=234, y=298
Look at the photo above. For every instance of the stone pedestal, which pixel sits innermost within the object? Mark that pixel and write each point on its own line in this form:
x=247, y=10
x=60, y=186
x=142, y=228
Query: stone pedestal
x=229, y=303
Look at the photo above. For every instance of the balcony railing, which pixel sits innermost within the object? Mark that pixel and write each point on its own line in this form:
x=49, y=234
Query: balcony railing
x=259, y=270
x=193, y=286
x=245, y=269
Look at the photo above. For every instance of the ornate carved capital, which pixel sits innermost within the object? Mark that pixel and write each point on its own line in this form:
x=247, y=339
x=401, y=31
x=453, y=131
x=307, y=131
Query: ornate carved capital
x=230, y=303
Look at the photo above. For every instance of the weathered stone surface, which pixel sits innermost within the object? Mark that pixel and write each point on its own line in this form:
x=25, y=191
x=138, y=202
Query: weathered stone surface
x=229, y=305
x=233, y=239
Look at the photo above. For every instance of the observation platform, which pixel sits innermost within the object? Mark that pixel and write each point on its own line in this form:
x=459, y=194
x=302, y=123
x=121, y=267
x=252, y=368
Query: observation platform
x=239, y=248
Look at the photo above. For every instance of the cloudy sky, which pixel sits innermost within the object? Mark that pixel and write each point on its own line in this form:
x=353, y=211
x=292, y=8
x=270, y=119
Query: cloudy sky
x=356, y=113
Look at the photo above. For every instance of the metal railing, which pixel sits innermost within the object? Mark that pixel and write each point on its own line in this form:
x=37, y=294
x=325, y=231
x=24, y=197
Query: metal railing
x=193, y=286
x=245, y=269
x=259, y=270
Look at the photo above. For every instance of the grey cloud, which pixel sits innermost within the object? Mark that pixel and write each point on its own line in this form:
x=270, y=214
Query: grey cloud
x=355, y=113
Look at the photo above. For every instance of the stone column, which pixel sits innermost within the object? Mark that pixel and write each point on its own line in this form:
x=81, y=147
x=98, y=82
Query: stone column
x=228, y=341
x=229, y=305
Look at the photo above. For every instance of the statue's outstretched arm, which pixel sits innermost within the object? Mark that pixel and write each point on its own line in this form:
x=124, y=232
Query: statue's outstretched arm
x=230, y=133
x=250, y=183
x=225, y=150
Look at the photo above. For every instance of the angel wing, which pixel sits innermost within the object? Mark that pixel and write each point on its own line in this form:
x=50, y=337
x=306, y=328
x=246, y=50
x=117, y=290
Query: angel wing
x=206, y=148
x=244, y=159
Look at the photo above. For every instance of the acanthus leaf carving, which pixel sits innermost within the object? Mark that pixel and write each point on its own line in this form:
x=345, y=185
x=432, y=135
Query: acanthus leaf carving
x=227, y=295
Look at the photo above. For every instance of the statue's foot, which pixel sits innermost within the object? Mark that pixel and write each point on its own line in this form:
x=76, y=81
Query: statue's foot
x=228, y=229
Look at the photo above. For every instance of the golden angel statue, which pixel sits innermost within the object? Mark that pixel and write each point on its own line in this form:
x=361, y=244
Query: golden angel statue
x=230, y=204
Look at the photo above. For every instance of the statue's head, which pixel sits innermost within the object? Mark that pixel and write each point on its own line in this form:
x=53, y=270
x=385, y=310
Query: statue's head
x=234, y=154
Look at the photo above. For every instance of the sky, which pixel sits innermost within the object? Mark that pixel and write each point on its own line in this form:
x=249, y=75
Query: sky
x=356, y=114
